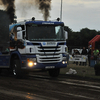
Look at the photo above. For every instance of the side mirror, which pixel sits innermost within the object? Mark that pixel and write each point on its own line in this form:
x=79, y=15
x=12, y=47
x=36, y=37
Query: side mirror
x=19, y=35
x=66, y=35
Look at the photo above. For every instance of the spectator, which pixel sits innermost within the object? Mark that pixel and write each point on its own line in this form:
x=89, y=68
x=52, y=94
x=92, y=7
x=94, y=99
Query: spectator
x=76, y=52
x=89, y=53
x=84, y=52
x=95, y=53
x=73, y=56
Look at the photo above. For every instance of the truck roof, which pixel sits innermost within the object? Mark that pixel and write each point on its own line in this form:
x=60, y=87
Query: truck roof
x=37, y=23
x=45, y=22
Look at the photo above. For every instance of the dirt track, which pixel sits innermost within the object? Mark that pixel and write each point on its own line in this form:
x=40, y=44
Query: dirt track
x=40, y=87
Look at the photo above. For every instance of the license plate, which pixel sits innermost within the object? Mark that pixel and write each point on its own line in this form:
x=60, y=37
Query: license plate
x=51, y=43
x=49, y=67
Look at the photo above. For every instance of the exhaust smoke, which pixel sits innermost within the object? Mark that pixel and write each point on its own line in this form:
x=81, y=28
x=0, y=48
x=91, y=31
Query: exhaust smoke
x=10, y=8
x=31, y=7
x=45, y=7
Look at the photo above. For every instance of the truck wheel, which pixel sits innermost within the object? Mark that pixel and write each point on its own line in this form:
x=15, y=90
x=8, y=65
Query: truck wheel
x=54, y=72
x=16, y=69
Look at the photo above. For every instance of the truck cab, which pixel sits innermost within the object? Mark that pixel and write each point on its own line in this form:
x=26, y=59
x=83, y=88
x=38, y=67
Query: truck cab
x=37, y=45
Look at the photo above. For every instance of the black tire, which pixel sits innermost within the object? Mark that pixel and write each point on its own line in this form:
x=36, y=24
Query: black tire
x=16, y=69
x=97, y=72
x=54, y=72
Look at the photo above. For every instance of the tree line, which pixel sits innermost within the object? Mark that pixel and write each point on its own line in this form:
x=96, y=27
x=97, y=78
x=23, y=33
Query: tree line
x=81, y=38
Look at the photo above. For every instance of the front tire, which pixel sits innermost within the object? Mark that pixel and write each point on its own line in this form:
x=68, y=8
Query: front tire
x=16, y=69
x=54, y=72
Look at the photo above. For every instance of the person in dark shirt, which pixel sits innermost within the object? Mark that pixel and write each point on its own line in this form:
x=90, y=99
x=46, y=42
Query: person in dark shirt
x=89, y=54
x=76, y=52
x=84, y=52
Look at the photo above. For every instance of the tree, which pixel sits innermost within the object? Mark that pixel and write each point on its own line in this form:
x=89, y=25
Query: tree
x=81, y=38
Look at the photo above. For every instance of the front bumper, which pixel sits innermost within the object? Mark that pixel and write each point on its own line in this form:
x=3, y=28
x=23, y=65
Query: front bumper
x=45, y=66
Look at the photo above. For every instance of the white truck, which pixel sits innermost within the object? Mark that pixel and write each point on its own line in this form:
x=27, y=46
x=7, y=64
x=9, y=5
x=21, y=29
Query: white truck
x=30, y=45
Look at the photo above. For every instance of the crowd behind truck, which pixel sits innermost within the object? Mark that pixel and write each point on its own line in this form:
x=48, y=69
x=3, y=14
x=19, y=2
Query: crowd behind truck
x=85, y=57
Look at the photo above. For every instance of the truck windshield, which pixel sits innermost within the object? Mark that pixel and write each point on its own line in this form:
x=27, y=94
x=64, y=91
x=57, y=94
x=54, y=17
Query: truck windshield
x=47, y=33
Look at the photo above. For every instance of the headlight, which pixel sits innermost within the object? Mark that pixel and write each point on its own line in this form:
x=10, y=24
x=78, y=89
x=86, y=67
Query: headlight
x=31, y=62
x=64, y=62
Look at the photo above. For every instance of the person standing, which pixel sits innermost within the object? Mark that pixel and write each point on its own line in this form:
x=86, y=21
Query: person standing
x=76, y=52
x=95, y=53
x=89, y=54
x=84, y=52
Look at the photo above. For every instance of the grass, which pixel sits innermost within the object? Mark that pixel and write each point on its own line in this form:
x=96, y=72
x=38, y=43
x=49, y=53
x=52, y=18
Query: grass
x=82, y=71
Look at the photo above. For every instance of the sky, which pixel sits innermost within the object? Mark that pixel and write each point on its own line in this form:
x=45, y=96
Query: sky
x=77, y=14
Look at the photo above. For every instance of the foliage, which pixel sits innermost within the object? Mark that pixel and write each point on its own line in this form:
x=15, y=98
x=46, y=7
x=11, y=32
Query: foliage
x=81, y=38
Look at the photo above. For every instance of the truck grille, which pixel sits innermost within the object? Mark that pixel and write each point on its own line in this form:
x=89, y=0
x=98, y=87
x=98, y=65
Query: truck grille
x=49, y=54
